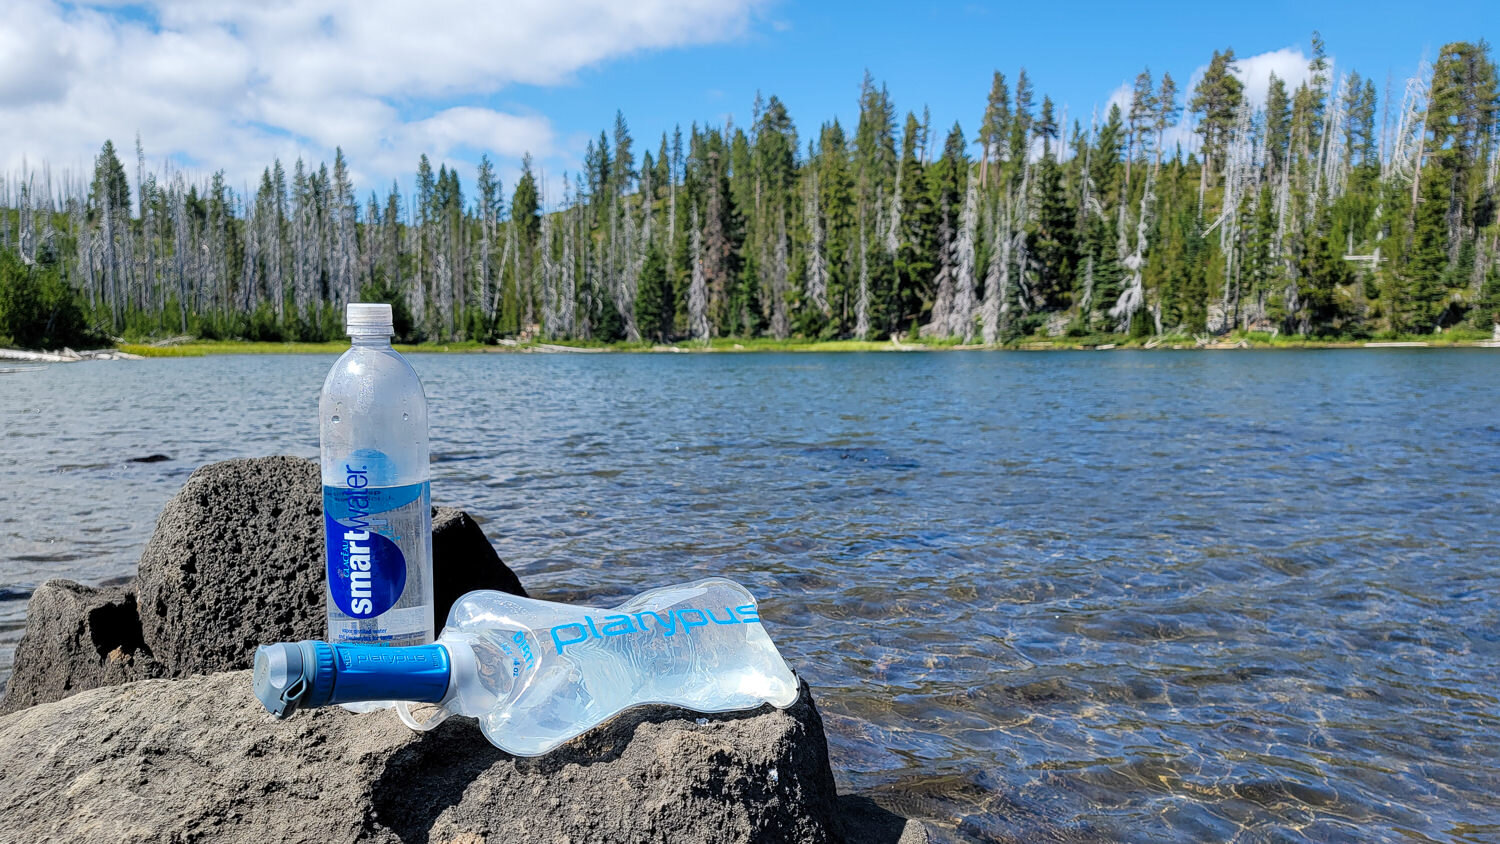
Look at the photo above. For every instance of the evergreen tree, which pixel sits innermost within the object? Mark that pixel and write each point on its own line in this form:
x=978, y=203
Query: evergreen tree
x=1052, y=232
x=1167, y=111
x=37, y=308
x=995, y=128
x=655, y=305
x=1100, y=258
x=1294, y=212
x=111, y=188
x=1143, y=116
x=1216, y=100
x=1277, y=124
x=916, y=258
x=1020, y=126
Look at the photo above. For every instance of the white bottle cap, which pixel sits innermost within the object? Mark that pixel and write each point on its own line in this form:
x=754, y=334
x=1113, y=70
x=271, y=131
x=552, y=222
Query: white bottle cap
x=361, y=318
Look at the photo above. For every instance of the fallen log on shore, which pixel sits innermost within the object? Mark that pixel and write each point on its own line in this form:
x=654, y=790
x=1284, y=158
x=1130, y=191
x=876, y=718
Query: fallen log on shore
x=66, y=355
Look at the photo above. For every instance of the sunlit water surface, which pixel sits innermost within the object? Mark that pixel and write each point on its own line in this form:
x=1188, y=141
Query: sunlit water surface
x=1068, y=596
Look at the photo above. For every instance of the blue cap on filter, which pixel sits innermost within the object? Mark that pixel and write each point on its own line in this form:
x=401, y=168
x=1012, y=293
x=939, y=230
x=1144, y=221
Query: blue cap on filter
x=299, y=675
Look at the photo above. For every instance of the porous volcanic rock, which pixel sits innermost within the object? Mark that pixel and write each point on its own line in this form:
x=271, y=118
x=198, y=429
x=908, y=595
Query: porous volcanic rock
x=178, y=760
x=77, y=637
x=236, y=561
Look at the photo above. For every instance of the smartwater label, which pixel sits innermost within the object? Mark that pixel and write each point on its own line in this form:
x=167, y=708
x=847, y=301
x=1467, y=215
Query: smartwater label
x=372, y=532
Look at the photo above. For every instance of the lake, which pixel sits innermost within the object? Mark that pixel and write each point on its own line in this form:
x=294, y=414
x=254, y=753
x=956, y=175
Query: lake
x=1053, y=596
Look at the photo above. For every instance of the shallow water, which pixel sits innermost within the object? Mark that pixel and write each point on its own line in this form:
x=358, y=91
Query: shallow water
x=1061, y=596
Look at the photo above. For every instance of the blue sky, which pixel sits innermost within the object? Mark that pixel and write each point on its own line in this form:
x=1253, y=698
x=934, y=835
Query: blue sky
x=215, y=84
x=813, y=55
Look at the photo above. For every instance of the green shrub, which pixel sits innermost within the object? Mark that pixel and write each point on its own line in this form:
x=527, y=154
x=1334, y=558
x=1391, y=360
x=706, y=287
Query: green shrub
x=37, y=308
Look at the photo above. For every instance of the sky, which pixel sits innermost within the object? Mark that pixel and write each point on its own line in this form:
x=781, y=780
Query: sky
x=227, y=84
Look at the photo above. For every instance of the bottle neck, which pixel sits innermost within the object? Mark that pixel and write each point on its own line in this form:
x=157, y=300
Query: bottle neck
x=371, y=341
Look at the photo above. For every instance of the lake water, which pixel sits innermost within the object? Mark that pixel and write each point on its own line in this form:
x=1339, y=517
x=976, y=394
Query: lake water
x=1056, y=596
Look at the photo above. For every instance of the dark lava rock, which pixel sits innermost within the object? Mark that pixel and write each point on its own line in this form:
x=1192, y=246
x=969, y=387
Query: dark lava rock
x=163, y=760
x=463, y=560
x=236, y=561
x=77, y=637
x=866, y=822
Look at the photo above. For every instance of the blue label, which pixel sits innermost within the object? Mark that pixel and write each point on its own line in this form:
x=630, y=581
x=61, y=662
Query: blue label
x=366, y=569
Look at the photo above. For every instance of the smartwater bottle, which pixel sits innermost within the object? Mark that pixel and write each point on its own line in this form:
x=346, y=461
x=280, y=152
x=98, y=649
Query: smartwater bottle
x=536, y=673
x=377, y=503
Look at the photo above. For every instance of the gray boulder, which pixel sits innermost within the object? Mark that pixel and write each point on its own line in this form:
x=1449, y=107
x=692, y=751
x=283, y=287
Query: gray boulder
x=77, y=637
x=164, y=760
x=236, y=561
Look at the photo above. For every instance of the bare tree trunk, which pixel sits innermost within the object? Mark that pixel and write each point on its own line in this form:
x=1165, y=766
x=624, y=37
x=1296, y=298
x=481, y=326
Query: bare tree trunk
x=698, y=288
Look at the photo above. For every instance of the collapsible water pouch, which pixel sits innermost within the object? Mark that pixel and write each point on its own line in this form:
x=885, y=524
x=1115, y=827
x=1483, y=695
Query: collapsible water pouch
x=537, y=673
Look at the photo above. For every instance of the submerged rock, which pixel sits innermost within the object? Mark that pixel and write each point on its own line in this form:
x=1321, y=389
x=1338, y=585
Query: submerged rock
x=180, y=760
x=236, y=561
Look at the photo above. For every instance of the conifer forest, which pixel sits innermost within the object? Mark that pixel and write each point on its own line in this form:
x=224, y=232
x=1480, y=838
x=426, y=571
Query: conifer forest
x=1344, y=207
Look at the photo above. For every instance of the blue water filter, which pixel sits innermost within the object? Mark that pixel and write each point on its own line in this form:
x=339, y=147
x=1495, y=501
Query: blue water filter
x=296, y=675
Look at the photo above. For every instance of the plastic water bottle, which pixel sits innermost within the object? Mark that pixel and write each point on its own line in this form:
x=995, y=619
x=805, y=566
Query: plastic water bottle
x=537, y=673
x=377, y=503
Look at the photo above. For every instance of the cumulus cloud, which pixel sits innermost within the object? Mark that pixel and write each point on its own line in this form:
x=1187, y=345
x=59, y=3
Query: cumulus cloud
x=224, y=84
x=1289, y=64
x=1118, y=97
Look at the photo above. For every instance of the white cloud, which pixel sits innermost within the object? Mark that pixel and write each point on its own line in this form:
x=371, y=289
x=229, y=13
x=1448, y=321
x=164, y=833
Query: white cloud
x=1118, y=97
x=1289, y=64
x=229, y=84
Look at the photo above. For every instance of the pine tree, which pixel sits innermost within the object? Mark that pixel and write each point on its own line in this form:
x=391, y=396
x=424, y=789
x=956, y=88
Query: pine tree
x=1143, y=116
x=654, y=304
x=1100, y=229
x=995, y=128
x=1277, y=124
x=1325, y=224
x=1020, y=127
x=1216, y=100
x=110, y=188
x=717, y=251
x=525, y=218
x=1167, y=111
x=1052, y=238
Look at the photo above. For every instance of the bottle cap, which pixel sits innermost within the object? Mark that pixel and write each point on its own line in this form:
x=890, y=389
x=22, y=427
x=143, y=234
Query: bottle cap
x=363, y=318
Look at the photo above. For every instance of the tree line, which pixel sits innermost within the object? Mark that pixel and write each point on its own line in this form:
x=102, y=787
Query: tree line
x=1324, y=211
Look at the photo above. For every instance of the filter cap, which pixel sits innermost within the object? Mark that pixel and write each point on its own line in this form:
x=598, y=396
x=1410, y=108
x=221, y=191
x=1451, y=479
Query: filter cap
x=293, y=675
x=368, y=318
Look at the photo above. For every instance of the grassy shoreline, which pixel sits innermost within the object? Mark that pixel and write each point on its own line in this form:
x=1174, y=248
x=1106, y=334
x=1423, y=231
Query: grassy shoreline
x=199, y=348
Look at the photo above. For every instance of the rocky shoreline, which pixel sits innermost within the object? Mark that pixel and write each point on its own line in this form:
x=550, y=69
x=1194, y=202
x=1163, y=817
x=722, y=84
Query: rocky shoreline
x=129, y=715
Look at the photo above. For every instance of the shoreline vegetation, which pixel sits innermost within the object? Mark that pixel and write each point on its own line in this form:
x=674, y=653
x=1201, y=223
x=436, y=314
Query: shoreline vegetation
x=1319, y=212
x=733, y=345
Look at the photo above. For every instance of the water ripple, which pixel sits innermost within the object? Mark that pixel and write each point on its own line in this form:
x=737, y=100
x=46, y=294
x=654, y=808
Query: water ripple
x=1130, y=597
